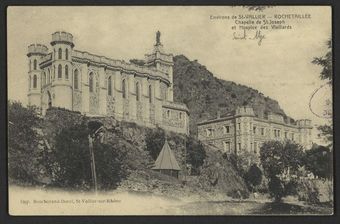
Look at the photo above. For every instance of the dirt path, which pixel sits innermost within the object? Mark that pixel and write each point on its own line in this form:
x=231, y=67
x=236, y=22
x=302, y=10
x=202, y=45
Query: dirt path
x=247, y=208
x=35, y=201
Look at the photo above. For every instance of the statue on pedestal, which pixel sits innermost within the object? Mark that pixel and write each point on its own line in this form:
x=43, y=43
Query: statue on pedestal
x=158, y=38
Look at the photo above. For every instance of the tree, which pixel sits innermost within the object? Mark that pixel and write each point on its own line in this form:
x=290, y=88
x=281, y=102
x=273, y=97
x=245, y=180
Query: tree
x=317, y=161
x=195, y=154
x=326, y=63
x=253, y=177
x=24, y=152
x=154, y=142
x=70, y=161
x=111, y=165
x=94, y=126
x=326, y=131
x=276, y=188
x=279, y=159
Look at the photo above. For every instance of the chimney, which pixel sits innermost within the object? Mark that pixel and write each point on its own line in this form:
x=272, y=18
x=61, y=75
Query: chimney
x=261, y=113
x=218, y=114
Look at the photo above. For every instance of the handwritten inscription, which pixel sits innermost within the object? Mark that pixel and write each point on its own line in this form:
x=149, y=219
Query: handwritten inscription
x=258, y=36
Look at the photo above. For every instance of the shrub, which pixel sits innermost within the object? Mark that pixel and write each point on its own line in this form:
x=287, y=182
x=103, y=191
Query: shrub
x=318, y=160
x=238, y=194
x=253, y=177
x=154, y=142
x=307, y=191
x=242, y=161
x=195, y=154
x=291, y=188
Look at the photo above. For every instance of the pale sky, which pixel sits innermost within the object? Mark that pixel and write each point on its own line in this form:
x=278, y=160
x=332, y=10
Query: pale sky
x=280, y=68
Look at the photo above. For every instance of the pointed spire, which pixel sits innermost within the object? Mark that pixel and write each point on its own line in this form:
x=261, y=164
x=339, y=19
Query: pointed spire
x=166, y=159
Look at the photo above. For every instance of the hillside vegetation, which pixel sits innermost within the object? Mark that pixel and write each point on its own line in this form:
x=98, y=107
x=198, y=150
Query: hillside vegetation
x=217, y=174
x=59, y=158
x=205, y=94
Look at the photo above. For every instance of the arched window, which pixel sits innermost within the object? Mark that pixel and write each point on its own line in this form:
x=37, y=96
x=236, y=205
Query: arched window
x=49, y=99
x=180, y=115
x=59, y=53
x=35, y=64
x=76, y=79
x=53, y=77
x=66, y=54
x=168, y=113
x=166, y=93
x=48, y=75
x=34, y=82
x=150, y=94
x=124, y=88
x=44, y=79
x=60, y=71
x=66, y=71
x=137, y=92
x=163, y=90
x=91, y=82
x=109, y=86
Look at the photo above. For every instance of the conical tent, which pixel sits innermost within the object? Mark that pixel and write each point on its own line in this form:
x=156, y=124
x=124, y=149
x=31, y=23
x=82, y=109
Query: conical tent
x=166, y=162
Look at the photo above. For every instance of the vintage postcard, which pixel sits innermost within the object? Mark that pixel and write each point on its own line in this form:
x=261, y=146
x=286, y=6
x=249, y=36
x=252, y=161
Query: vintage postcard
x=170, y=110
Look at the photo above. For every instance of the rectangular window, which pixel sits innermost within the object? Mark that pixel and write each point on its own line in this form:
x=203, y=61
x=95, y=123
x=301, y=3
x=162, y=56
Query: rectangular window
x=262, y=131
x=278, y=133
x=255, y=147
x=226, y=129
x=239, y=126
x=254, y=130
x=150, y=94
x=226, y=147
x=210, y=132
x=239, y=146
x=285, y=134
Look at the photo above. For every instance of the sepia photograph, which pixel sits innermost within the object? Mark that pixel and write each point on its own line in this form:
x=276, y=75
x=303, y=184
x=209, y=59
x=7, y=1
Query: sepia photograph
x=170, y=110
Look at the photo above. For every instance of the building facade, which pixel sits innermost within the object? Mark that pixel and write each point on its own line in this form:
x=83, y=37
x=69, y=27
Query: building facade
x=99, y=86
x=243, y=131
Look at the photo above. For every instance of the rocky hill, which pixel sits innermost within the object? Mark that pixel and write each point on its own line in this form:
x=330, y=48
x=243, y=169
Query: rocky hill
x=217, y=177
x=205, y=94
